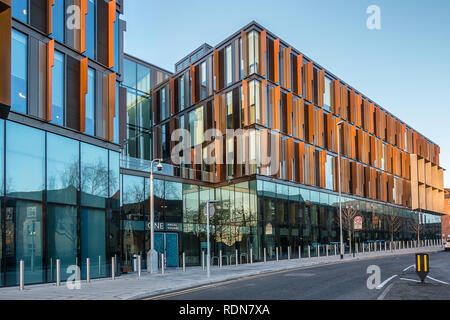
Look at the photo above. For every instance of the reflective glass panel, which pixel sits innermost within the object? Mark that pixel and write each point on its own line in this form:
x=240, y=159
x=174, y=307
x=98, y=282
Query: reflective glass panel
x=20, y=10
x=94, y=175
x=90, y=103
x=62, y=169
x=19, y=74
x=58, y=20
x=25, y=161
x=58, y=89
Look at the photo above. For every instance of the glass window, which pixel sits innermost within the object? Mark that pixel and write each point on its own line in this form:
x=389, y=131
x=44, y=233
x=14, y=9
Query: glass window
x=229, y=66
x=94, y=175
x=90, y=29
x=163, y=104
x=174, y=202
x=229, y=102
x=20, y=10
x=90, y=103
x=129, y=73
x=116, y=44
x=143, y=78
x=24, y=235
x=131, y=107
x=181, y=92
x=254, y=102
x=58, y=90
x=114, y=176
x=25, y=161
x=253, y=52
x=327, y=96
x=203, y=80
x=144, y=111
x=196, y=126
x=62, y=169
x=117, y=116
x=93, y=242
x=62, y=237
x=58, y=20
x=19, y=74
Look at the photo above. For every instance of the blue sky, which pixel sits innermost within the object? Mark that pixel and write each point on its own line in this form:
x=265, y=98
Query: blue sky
x=404, y=67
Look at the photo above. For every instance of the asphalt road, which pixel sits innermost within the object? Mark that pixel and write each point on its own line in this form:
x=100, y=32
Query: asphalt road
x=341, y=281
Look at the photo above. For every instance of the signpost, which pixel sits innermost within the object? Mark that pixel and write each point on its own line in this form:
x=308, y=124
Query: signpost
x=422, y=265
x=357, y=223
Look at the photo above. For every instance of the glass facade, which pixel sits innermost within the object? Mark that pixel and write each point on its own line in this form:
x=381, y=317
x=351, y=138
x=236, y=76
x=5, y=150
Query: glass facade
x=58, y=89
x=19, y=71
x=61, y=196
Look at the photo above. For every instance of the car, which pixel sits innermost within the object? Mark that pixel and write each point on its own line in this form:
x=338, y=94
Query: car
x=447, y=245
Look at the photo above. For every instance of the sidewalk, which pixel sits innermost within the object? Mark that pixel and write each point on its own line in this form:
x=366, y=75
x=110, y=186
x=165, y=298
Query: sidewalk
x=130, y=286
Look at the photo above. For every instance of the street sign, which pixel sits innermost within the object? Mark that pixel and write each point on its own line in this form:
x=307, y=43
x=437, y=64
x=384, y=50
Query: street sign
x=422, y=265
x=357, y=223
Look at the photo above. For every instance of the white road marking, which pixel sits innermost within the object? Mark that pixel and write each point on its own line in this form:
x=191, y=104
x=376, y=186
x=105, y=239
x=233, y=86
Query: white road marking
x=406, y=279
x=408, y=267
x=385, y=282
x=443, y=282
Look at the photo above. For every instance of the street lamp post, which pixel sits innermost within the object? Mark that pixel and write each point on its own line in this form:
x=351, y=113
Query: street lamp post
x=208, y=250
x=152, y=255
x=340, y=186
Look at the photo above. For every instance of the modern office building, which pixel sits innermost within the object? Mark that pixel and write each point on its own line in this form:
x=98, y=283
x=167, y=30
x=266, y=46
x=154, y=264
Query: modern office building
x=290, y=108
x=61, y=63
x=81, y=121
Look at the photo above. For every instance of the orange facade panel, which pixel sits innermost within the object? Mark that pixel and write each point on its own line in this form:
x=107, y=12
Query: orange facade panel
x=245, y=102
x=276, y=59
x=262, y=59
x=301, y=155
x=263, y=102
x=289, y=113
x=193, y=82
x=336, y=97
x=216, y=69
x=287, y=68
x=320, y=87
x=50, y=64
x=276, y=92
x=83, y=92
x=308, y=72
x=111, y=20
x=299, y=66
x=309, y=108
x=50, y=4
x=299, y=112
x=244, y=52
x=344, y=102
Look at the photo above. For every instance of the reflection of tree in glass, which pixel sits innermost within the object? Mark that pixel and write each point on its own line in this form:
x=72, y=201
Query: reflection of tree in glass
x=94, y=178
x=68, y=176
x=395, y=223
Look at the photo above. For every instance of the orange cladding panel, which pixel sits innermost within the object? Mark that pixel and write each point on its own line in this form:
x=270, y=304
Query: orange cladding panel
x=276, y=51
x=111, y=20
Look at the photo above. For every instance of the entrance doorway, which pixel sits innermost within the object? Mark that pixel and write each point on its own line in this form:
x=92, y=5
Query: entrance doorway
x=167, y=243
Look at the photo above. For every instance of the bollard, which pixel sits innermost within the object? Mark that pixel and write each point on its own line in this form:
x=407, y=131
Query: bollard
x=385, y=247
x=203, y=260
x=289, y=253
x=99, y=265
x=139, y=265
x=237, y=262
x=265, y=260
x=88, y=270
x=220, y=258
x=318, y=251
x=281, y=252
x=21, y=275
x=58, y=272
x=162, y=263
x=370, y=247
x=251, y=255
x=51, y=268
x=364, y=250
x=299, y=252
x=309, y=252
x=357, y=249
x=276, y=253
x=113, y=271
x=335, y=250
x=327, y=250
x=184, y=262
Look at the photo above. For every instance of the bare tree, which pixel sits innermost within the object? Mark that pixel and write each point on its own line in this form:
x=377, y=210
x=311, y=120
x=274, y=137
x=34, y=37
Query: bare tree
x=416, y=227
x=348, y=216
x=395, y=223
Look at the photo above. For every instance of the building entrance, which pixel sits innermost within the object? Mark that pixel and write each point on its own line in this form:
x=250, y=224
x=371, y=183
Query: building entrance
x=167, y=243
